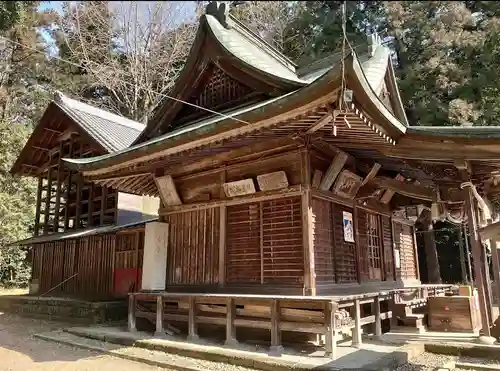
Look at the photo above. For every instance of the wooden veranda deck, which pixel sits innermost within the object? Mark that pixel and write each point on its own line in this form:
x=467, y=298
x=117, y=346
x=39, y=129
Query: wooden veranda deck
x=327, y=316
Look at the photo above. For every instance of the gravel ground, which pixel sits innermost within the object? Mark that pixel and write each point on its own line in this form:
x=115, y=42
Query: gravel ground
x=20, y=351
x=425, y=362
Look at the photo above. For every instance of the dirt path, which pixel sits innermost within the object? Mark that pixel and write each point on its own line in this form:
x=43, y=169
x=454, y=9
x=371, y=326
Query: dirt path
x=20, y=351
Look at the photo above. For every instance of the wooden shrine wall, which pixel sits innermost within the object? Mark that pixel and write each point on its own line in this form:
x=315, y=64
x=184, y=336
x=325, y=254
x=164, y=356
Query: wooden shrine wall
x=404, y=243
x=336, y=261
x=93, y=259
x=264, y=242
x=193, y=252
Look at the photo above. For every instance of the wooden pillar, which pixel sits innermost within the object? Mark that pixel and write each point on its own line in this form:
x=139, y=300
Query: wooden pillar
x=331, y=330
x=58, y=188
x=48, y=195
x=192, y=326
x=433, y=271
x=355, y=225
x=38, y=204
x=356, y=331
x=131, y=313
x=496, y=267
x=276, y=347
x=222, y=245
x=68, y=187
x=463, y=269
x=308, y=242
x=160, y=332
x=230, y=328
x=104, y=204
x=468, y=253
x=90, y=210
x=79, y=185
x=487, y=283
x=476, y=255
x=222, y=231
x=378, y=319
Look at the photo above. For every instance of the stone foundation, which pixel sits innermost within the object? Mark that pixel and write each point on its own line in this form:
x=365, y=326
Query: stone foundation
x=64, y=309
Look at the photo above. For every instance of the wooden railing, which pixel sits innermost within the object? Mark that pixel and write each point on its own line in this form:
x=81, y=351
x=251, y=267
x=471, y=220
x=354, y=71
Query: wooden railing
x=324, y=316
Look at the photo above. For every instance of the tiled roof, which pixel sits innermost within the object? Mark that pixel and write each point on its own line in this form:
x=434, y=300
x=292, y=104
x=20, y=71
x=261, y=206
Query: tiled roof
x=112, y=131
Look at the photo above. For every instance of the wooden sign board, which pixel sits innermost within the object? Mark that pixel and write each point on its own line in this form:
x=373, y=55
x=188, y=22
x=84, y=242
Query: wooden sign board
x=167, y=190
x=270, y=181
x=239, y=188
x=347, y=184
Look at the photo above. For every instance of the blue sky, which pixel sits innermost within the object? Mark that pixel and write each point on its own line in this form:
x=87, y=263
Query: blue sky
x=51, y=5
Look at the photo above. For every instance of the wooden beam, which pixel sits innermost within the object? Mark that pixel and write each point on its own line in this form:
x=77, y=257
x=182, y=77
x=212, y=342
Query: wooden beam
x=333, y=171
x=40, y=148
x=371, y=174
x=67, y=134
x=405, y=189
x=490, y=232
x=387, y=196
x=324, y=120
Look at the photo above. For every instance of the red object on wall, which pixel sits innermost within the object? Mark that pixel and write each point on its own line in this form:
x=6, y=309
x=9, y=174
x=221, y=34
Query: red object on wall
x=126, y=280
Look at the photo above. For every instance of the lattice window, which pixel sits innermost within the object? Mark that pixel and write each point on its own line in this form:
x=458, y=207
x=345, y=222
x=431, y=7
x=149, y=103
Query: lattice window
x=373, y=244
x=220, y=90
x=264, y=242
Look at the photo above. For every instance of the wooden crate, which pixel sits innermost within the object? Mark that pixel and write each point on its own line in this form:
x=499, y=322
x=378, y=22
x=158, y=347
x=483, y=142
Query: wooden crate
x=453, y=314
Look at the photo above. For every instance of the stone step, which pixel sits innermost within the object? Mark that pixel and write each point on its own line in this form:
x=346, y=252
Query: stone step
x=150, y=357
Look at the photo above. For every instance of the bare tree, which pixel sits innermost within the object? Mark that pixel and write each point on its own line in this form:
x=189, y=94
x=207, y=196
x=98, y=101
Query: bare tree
x=131, y=51
x=272, y=21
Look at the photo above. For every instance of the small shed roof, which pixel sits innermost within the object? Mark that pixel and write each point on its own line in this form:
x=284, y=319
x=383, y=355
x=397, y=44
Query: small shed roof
x=111, y=131
x=78, y=233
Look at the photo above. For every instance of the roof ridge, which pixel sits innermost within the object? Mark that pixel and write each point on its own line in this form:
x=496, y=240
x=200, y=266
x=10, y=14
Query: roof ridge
x=60, y=98
x=220, y=11
x=240, y=26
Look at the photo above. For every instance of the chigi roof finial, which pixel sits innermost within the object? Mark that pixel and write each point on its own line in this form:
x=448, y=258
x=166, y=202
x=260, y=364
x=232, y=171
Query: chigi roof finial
x=220, y=10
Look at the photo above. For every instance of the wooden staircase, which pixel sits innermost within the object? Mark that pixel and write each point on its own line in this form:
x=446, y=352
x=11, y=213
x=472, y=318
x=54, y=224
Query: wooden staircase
x=409, y=316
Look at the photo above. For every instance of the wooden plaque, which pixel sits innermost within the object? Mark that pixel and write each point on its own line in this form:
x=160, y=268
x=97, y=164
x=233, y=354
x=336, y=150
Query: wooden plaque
x=270, y=181
x=239, y=188
x=167, y=190
x=347, y=184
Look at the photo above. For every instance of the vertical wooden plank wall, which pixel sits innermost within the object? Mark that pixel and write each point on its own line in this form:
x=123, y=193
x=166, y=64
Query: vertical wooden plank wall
x=193, y=254
x=91, y=257
x=264, y=242
x=324, y=252
x=404, y=243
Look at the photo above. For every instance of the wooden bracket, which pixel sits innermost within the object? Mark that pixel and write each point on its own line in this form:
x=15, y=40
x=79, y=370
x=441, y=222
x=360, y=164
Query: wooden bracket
x=373, y=172
x=387, y=196
x=333, y=171
x=324, y=120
